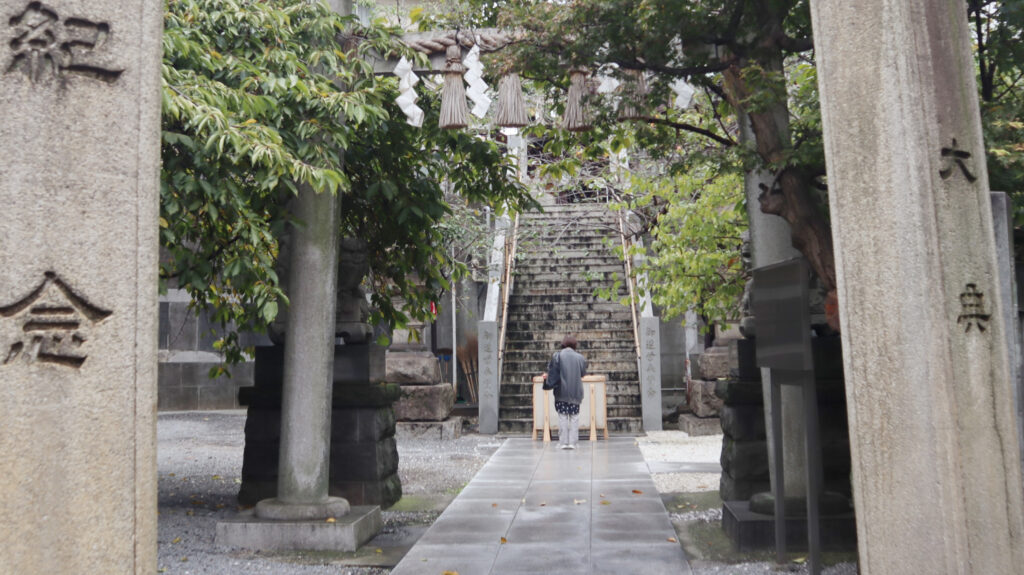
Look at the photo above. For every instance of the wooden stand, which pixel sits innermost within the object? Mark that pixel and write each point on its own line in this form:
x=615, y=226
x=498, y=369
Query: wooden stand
x=595, y=402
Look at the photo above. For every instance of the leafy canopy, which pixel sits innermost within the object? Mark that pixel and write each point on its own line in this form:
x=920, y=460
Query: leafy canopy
x=263, y=100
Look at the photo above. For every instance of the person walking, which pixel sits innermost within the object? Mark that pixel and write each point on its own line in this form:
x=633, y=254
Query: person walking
x=572, y=366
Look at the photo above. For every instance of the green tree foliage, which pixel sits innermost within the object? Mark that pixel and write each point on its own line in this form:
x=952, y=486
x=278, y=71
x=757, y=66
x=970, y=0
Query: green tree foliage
x=997, y=28
x=693, y=261
x=754, y=58
x=260, y=101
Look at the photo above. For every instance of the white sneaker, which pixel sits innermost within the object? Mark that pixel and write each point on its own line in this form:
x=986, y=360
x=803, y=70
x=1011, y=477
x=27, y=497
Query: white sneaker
x=570, y=447
x=564, y=446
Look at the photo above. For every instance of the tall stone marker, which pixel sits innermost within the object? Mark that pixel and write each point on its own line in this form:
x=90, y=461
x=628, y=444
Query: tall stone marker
x=936, y=470
x=79, y=176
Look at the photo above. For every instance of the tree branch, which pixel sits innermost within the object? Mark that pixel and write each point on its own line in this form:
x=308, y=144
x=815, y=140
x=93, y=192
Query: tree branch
x=684, y=127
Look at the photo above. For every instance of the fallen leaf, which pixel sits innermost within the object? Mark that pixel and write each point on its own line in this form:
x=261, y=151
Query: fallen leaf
x=162, y=570
x=504, y=541
x=176, y=540
x=448, y=572
x=672, y=540
x=494, y=504
x=238, y=481
x=190, y=512
x=800, y=560
x=578, y=501
x=170, y=475
x=379, y=550
x=543, y=504
x=331, y=520
x=216, y=477
x=606, y=502
x=602, y=495
x=184, y=559
x=638, y=492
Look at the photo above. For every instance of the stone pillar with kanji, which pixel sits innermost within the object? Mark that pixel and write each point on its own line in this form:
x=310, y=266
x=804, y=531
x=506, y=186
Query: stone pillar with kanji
x=936, y=465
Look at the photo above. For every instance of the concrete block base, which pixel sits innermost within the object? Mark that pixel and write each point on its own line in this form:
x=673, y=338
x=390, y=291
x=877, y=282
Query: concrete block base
x=695, y=426
x=448, y=429
x=750, y=531
x=346, y=533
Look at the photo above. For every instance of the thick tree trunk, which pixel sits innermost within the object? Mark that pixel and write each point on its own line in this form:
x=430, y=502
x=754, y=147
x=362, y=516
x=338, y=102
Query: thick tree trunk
x=792, y=197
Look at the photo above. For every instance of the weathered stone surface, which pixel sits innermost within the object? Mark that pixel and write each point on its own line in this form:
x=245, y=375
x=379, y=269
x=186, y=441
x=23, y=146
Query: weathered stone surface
x=412, y=368
x=733, y=392
x=714, y=363
x=346, y=533
x=743, y=422
x=425, y=402
x=698, y=426
x=448, y=429
x=79, y=196
x=703, y=401
x=743, y=360
x=744, y=459
x=731, y=489
x=931, y=411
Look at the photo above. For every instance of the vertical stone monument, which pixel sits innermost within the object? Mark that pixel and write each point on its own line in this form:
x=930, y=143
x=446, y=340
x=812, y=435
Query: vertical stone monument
x=79, y=175
x=936, y=466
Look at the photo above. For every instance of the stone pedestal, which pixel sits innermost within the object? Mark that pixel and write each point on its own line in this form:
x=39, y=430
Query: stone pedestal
x=364, y=455
x=425, y=402
x=79, y=195
x=347, y=532
x=703, y=401
x=425, y=406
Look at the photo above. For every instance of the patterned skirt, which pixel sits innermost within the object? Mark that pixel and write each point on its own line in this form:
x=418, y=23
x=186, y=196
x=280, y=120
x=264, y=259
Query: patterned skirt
x=566, y=408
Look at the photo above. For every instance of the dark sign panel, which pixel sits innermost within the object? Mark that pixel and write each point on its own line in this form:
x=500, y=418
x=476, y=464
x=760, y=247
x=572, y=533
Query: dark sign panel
x=783, y=319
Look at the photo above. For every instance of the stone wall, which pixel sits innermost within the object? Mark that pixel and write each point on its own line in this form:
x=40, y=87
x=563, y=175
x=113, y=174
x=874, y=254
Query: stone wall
x=187, y=355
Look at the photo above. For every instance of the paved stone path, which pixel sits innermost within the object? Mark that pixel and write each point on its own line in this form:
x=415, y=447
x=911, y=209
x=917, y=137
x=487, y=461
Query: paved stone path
x=534, y=508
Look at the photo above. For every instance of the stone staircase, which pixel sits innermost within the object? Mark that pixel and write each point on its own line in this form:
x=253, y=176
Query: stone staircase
x=561, y=259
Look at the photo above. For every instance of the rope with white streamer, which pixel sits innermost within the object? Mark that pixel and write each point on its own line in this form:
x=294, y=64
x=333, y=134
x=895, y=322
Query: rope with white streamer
x=477, y=91
x=407, y=80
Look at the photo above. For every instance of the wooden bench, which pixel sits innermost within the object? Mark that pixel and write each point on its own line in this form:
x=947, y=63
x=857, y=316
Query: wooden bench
x=544, y=406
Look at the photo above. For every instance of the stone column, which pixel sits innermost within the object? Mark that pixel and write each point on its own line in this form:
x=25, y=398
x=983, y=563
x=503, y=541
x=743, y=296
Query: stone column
x=79, y=181
x=1002, y=221
x=308, y=366
x=771, y=243
x=936, y=468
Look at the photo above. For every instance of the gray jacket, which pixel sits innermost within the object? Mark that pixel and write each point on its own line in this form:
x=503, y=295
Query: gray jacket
x=572, y=368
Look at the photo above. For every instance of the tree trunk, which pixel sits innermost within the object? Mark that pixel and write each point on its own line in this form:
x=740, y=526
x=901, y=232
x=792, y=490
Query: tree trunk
x=791, y=197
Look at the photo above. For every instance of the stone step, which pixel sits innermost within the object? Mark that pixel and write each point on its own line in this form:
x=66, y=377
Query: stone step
x=619, y=399
x=587, y=348
x=581, y=268
x=574, y=278
x=524, y=313
x=551, y=298
x=554, y=240
x=595, y=367
x=573, y=326
x=561, y=256
x=618, y=425
x=513, y=378
x=551, y=339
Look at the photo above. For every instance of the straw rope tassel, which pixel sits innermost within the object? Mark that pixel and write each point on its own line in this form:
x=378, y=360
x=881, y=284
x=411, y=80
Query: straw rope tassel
x=575, y=116
x=511, y=111
x=634, y=89
x=454, y=113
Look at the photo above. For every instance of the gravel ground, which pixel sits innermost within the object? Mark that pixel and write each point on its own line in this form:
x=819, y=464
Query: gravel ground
x=200, y=462
x=678, y=446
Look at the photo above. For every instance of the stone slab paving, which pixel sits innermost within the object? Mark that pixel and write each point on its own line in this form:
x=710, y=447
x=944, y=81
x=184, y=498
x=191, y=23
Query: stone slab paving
x=534, y=508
